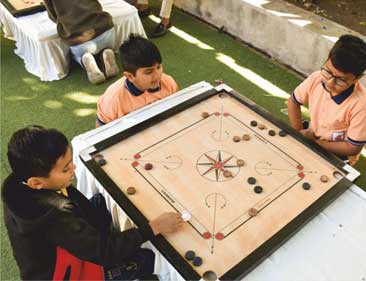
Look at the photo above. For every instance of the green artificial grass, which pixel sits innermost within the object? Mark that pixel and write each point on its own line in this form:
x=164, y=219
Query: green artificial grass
x=69, y=104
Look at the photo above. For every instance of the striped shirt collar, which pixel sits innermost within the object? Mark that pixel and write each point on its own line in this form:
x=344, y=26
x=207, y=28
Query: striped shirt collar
x=342, y=96
x=137, y=92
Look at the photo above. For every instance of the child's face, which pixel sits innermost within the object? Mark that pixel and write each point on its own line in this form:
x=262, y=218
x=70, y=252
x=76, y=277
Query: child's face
x=146, y=77
x=336, y=81
x=61, y=174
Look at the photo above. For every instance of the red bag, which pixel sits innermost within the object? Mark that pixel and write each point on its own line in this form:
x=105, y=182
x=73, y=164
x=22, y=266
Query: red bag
x=69, y=267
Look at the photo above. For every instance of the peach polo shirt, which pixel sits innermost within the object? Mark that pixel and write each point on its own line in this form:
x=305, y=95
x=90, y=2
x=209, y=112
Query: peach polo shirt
x=339, y=118
x=122, y=97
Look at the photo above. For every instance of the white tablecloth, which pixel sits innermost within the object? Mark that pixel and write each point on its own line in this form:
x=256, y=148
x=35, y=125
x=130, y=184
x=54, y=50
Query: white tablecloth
x=43, y=52
x=332, y=246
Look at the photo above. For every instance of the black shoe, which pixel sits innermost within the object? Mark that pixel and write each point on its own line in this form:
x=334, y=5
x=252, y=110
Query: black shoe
x=145, y=13
x=161, y=30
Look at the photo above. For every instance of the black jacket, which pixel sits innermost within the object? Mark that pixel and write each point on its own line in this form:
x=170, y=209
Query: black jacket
x=78, y=21
x=39, y=221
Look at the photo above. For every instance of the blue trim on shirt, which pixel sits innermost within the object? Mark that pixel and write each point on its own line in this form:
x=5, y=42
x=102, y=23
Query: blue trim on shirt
x=354, y=142
x=100, y=122
x=295, y=99
x=343, y=157
x=132, y=88
x=137, y=92
x=342, y=96
x=154, y=90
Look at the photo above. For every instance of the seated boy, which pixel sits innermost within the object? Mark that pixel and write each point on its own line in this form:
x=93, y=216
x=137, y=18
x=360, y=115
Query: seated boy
x=62, y=235
x=336, y=100
x=143, y=82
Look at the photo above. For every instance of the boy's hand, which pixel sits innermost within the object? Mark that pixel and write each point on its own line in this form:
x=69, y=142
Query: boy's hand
x=308, y=133
x=166, y=223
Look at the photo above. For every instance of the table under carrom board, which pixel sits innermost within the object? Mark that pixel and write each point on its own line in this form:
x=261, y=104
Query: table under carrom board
x=23, y=7
x=247, y=180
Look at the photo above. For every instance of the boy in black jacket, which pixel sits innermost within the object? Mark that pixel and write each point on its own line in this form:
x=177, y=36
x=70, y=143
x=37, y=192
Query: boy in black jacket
x=55, y=232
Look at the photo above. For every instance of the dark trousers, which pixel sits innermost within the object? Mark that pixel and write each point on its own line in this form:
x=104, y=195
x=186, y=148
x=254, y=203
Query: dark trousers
x=139, y=265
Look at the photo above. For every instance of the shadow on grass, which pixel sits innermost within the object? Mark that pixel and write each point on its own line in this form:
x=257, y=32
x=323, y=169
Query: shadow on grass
x=219, y=56
x=70, y=104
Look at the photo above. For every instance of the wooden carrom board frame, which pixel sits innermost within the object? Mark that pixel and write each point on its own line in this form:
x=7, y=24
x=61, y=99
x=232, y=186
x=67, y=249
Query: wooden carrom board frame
x=14, y=7
x=238, y=233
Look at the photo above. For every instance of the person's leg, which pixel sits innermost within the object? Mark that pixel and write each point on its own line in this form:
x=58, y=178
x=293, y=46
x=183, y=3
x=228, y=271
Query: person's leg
x=139, y=265
x=143, y=7
x=78, y=51
x=143, y=2
x=106, y=61
x=94, y=46
x=102, y=215
x=166, y=10
x=83, y=54
x=164, y=25
x=105, y=43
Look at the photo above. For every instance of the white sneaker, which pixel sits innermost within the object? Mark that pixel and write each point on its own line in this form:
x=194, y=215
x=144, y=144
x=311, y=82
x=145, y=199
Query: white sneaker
x=111, y=67
x=95, y=76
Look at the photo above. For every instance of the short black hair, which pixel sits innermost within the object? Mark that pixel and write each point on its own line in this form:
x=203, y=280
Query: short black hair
x=349, y=54
x=34, y=150
x=138, y=52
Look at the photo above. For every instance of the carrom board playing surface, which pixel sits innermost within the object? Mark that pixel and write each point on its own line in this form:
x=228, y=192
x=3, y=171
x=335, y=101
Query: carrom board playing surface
x=23, y=7
x=245, y=181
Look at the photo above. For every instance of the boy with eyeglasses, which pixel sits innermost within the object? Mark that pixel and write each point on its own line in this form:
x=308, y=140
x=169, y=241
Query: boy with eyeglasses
x=336, y=100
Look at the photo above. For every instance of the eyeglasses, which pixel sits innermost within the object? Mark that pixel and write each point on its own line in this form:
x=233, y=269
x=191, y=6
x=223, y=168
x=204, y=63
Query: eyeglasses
x=327, y=74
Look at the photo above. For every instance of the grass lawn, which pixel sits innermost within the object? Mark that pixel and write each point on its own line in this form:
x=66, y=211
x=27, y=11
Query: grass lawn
x=192, y=52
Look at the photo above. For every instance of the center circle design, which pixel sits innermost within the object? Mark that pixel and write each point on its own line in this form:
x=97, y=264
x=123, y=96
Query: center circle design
x=217, y=166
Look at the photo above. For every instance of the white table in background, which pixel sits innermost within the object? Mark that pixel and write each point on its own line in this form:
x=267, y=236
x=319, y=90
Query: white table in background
x=43, y=52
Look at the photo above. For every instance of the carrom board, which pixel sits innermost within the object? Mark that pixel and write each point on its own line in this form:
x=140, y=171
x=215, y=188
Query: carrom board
x=23, y=7
x=247, y=180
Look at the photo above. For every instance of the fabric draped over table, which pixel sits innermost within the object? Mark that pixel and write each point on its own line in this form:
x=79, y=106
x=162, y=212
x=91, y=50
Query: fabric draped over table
x=43, y=52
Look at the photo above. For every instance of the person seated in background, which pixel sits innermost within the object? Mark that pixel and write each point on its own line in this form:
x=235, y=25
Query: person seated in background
x=336, y=101
x=143, y=81
x=58, y=234
x=89, y=31
x=165, y=13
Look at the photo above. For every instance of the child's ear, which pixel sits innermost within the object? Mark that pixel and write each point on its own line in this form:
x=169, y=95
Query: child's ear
x=359, y=77
x=128, y=75
x=35, y=183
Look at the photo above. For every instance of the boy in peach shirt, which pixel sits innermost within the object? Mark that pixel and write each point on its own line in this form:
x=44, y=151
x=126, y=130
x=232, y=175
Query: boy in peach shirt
x=143, y=82
x=336, y=101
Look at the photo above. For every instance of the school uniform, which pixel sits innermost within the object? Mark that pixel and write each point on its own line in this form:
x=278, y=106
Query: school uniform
x=122, y=97
x=334, y=118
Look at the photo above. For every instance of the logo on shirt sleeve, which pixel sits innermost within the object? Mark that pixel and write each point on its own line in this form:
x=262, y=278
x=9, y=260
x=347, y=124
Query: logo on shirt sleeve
x=338, y=136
